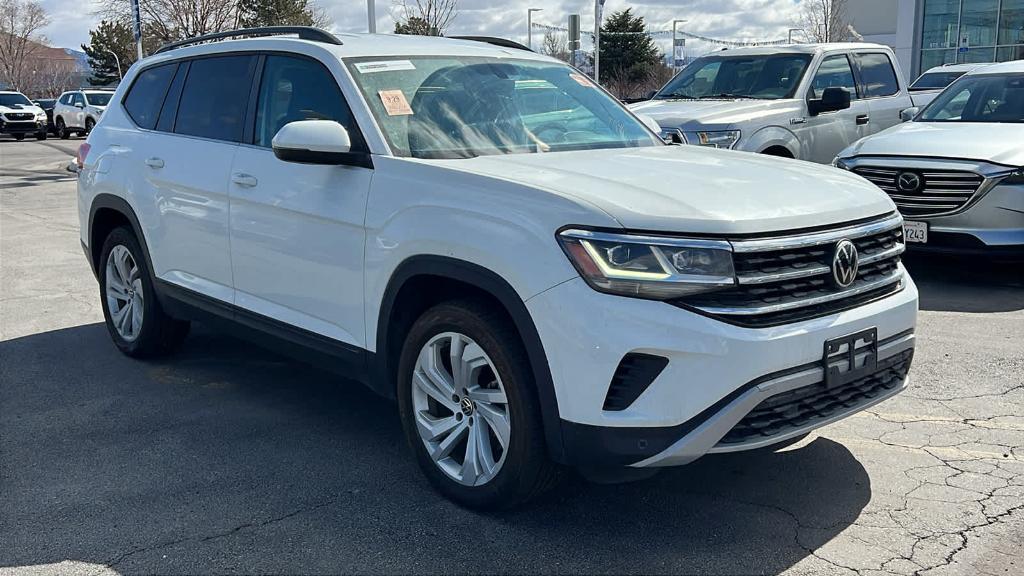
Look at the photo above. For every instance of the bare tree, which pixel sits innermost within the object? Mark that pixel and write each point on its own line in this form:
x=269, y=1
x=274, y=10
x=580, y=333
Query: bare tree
x=556, y=45
x=425, y=17
x=20, y=23
x=52, y=76
x=825, y=20
x=169, y=20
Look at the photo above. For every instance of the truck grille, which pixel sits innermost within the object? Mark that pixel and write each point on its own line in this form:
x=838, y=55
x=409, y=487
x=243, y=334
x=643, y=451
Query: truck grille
x=816, y=402
x=20, y=116
x=789, y=279
x=924, y=192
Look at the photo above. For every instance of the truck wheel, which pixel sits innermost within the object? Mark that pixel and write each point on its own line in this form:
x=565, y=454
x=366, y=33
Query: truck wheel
x=469, y=409
x=137, y=323
x=89, y=123
x=62, y=129
x=19, y=137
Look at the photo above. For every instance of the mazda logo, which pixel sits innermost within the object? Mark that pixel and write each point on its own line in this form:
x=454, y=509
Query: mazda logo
x=908, y=182
x=845, y=262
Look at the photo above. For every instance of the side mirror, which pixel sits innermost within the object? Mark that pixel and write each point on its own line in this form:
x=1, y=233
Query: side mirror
x=650, y=123
x=79, y=105
x=314, y=142
x=908, y=114
x=832, y=99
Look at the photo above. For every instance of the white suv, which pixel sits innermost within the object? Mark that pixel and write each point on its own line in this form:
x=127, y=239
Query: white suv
x=558, y=288
x=79, y=110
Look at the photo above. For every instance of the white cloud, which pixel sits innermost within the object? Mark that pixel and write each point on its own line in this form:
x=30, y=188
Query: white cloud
x=726, y=19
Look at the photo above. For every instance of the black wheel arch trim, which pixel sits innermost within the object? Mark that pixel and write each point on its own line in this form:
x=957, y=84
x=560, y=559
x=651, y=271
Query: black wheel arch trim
x=493, y=284
x=120, y=205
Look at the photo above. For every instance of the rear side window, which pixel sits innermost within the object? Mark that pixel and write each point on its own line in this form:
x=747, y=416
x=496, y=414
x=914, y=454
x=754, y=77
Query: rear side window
x=146, y=95
x=877, y=75
x=214, y=98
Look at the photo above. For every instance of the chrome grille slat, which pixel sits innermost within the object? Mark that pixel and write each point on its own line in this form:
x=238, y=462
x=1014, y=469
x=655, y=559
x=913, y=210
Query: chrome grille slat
x=940, y=192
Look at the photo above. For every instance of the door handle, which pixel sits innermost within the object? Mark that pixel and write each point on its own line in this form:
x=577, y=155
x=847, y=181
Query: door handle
x=244, y=180
x=155, y=162
x=863, y=119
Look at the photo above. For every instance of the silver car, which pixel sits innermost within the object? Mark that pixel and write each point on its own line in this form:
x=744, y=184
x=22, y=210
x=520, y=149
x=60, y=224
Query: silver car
x=956, y=170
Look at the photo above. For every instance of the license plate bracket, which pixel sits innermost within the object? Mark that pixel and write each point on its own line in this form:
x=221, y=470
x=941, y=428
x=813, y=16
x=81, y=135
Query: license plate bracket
x=859, y=347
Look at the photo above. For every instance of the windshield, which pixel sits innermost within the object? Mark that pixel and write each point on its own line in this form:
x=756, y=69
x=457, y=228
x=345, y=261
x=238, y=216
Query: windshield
x=771, y=76
x=13, y=100
x=97, y=98
x=935, y=80
x=461, y=107
x=980, y=98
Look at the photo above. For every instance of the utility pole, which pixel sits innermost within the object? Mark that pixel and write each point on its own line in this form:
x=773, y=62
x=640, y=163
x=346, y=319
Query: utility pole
x=598, y=5
x=137, y=27
x=529, y=26
x=371, y=16
x=675, y=43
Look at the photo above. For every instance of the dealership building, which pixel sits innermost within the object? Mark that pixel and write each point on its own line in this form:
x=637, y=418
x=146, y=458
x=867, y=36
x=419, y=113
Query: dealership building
x=927, y=33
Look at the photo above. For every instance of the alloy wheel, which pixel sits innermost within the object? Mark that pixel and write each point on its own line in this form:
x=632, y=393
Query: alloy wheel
x=460, y=409
x=125, y=298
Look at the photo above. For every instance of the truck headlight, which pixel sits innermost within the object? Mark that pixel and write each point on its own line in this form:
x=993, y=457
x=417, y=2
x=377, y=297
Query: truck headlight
x=41, y=116
x=653, y=267
x=716, y=139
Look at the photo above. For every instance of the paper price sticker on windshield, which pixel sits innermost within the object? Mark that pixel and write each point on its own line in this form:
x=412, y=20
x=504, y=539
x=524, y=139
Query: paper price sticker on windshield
x=395, y=103
x=581, y=79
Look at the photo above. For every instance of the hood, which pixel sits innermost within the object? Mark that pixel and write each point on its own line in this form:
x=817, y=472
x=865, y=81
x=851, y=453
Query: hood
x=688, y=189
x=986, y=142
x=679, y=113
x=20, y=108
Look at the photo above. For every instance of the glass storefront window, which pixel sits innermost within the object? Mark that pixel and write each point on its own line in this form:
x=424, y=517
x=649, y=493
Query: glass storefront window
x=1011, y=24
x=978, y=22
x=932, y=58
x=979, y=54
x=941, y=22
x=1007, y=53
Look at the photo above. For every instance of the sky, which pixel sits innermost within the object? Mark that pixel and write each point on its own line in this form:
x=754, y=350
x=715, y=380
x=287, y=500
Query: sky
x=725, y=19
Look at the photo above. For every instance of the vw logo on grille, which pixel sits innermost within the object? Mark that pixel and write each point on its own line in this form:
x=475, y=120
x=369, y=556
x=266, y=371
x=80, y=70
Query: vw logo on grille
x=845, y=262
x=908, y=182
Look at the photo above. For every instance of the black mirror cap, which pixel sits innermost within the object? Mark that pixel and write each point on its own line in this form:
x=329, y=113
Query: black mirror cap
x=297, y=156
x=832, y=99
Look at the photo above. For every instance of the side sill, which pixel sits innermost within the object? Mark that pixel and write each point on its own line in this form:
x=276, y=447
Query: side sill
x=335, y=356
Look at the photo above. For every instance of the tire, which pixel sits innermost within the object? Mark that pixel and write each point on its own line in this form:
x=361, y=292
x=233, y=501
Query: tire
x=500, y=370
x=19, y=137
x=89, y=124
x=155, y=333
x=40, y=135
x=62, y=129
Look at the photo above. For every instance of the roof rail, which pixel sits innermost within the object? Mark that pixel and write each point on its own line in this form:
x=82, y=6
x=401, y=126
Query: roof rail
x=504, y=43
x=303, y=32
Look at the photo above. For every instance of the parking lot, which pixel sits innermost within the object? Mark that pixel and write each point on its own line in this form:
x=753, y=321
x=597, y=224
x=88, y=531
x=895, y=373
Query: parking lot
x=226, y=458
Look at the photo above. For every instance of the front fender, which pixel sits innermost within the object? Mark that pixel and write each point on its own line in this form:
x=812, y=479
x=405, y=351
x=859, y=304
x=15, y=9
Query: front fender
x=776, y=136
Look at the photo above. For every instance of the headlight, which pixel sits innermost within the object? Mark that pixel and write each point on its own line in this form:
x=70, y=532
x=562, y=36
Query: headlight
x=41, y=116
x=649, y=267
x=718, y=139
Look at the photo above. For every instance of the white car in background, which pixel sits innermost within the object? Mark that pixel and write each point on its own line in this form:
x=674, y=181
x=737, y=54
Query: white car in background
x=956, y=171
x=20, y=117
x=79, y=110
x=932, y=82
x=804, y=101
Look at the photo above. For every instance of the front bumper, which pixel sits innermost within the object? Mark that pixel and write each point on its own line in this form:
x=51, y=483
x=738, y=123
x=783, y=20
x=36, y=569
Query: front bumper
x=716, y=375
x=22, y=127
x=993, y=225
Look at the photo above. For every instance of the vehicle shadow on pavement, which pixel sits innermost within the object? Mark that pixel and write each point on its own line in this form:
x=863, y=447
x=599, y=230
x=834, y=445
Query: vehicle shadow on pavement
x=966, y=285
x=228, y=458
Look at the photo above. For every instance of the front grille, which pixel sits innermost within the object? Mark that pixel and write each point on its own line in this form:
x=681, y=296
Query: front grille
x=936, y=192
x=814, y=403
x=20, y=126
x=14, y=116
x=788, y=279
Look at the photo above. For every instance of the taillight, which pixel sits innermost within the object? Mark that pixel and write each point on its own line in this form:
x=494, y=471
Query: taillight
x=83, y=151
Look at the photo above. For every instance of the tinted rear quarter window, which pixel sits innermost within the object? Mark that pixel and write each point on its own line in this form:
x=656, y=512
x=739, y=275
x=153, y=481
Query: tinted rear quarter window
x=877, y=75
x=214, y=97
x=146, y=95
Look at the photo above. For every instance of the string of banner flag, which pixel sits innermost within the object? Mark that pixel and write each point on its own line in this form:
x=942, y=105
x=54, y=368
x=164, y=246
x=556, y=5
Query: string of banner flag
x=679, y=33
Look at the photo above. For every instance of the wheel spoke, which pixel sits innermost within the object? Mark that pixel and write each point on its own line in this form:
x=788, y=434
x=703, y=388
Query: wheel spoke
x=115, y=288
x=460, y=376
x=122, y=267
x=136, y=312
x=497, y=420
x=435, y=372
x=124, y=319
x=432, y=428
x=445, y=447
x=488, y=395
x=471, y=463
x=430, y=388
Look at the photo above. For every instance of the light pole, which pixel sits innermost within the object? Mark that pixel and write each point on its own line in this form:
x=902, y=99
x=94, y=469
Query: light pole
x=674, y=23
x=118, y=61
x=529, y=26
x=598, y=5
x=371, y=16
x=791, y=30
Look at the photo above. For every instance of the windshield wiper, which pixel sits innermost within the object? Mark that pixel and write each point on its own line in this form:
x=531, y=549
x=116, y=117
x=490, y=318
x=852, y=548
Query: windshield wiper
x=674, y=97
x=730, y=95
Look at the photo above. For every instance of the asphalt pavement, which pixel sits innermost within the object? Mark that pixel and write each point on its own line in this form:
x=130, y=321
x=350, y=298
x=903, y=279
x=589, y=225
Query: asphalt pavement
x=226, y=458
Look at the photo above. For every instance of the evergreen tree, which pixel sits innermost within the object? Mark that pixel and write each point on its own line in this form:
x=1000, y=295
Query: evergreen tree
x=628, y=54
x=256, y=13
x=415, y=26
x=107, y=39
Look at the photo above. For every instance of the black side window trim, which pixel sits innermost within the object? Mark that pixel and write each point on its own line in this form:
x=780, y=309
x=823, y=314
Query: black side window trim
x=172, y=98
x=854, y=69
